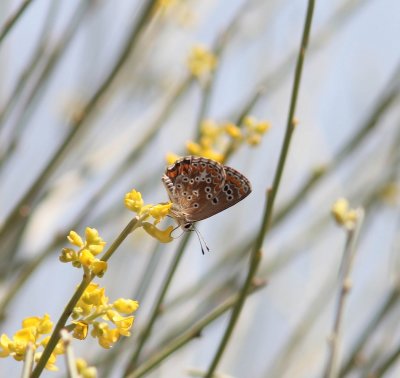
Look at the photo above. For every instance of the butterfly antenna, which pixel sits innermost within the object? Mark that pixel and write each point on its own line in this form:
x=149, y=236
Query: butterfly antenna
x=201, y=240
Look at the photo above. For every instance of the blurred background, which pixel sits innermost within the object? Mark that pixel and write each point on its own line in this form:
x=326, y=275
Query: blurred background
x=95, y=94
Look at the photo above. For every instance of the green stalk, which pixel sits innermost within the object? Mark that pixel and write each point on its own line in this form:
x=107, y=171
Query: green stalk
x=156, y=358
x=133, y=360
x=271, y=195
x=86, y=280
x=10, y=23
x=332, y=366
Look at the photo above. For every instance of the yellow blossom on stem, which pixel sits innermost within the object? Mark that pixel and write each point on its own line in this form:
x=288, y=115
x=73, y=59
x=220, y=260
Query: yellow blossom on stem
x=233, y=131
x=171, y=158
x=126, y=306
x=201, y=61
x=93, y=305
x=75, y=239
x=85, y=256
x=343, y=215
x=164, y=236
x=160, y=211
x=80, y=331
x=134, y=201
x=94, y=243
x=29, y=336
x=84, y=370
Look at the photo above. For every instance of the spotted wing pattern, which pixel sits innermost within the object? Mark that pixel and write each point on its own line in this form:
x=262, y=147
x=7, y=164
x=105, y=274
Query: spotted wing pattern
x=200, y=187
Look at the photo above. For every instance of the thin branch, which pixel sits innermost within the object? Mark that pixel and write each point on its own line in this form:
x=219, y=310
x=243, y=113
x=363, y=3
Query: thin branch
x=10, y=23
x=332, y=366
x=133, y=360
x=271, y=194
x=154, y=359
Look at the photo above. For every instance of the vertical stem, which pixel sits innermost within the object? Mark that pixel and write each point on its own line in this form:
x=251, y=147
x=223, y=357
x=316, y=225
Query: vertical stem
x=332, y=367
x=271, y=195
x=157, y=306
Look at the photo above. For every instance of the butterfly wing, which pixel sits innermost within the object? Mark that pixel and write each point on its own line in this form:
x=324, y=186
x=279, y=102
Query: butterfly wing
x=200, y=188
x=191, y=181
x=235, y=188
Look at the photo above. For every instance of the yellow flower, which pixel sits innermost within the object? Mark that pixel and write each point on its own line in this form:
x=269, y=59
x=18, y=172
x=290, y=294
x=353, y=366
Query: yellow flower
x=106, y=336
x=213, y=155
x=94, y=295
x=86, y=258
x=94, y=243
x=210, y=128
x=160, y=211
x=123, y=324
x=84, y=370
x=201, y=61
x=254, y=139
x=134, y=201
x=98, y=267
x=40, y=325
x=81, y=330
x=5, y=345
x=171, y=158
x=75, y=239
x=126, y=306
x=262, y=127
x=193, y=148
x=342, y=213
x=164, y=236
x=233, y=131
x=20, y=342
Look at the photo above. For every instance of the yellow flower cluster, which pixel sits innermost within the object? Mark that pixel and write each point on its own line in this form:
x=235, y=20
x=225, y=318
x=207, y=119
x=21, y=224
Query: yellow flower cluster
x=134, y=202
x=216, y=139
x=201, y=62
x=93, y=305
x=85, y=255
x=343, y=214
x=84, y=370
x=32, y=334
x=255, y=129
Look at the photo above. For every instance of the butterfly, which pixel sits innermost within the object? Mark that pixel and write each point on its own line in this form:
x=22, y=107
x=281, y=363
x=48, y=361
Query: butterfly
x=200, y=188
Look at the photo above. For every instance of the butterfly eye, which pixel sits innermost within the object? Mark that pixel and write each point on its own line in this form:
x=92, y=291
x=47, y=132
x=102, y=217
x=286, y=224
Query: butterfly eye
x=208, y=180
x=209, y=195
x=196, y=205
x=230, y=198
x=215, y=200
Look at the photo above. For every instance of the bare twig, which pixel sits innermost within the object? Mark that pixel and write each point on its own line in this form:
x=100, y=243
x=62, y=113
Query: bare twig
x=332, y=367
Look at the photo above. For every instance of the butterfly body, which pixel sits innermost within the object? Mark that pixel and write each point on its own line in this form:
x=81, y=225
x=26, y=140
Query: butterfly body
x=200, y=188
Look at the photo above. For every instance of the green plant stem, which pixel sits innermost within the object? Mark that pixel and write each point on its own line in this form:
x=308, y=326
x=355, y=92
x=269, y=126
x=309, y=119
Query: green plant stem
x=55, y=337
x=16, y=216
x=390, y=301
x=36, y=89
x=30, y=66
x=207, y=88
x=154, y=359
x=87, y=278
x=133, y=360
x=10, y=23
x=272, y=80
x=332, y=366
x=153, y=129
x=271, y=195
